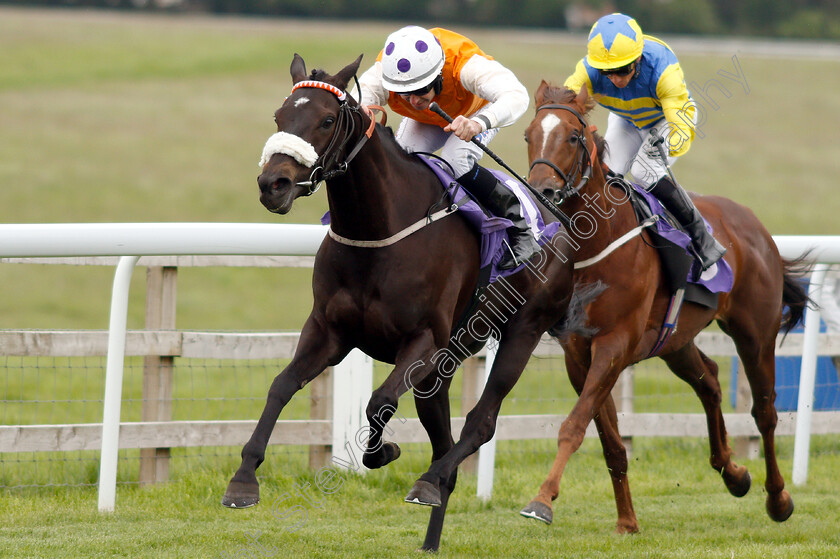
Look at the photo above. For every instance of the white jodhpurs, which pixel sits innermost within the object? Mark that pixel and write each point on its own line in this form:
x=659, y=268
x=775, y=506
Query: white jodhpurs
x=625, y=154
x=415, y=136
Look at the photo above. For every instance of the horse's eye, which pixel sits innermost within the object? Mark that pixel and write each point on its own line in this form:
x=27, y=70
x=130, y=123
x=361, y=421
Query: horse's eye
x=527, y=140
x=574, y=138
x=328, y=122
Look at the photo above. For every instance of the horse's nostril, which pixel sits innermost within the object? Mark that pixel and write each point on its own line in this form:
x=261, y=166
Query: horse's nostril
x=269, y=182
x=264, y=183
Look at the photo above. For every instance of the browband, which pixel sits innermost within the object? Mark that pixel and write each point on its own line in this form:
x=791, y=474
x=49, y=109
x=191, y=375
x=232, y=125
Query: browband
x=342, y=95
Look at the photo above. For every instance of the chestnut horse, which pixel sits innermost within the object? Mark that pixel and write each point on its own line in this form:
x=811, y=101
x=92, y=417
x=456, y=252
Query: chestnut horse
x=563, y=151
x=398, y=297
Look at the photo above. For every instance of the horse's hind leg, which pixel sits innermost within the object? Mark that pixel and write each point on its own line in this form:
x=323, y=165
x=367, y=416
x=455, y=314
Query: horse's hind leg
x=434, y=415
x=313, y=355
x=759, y=359
x=701, y=373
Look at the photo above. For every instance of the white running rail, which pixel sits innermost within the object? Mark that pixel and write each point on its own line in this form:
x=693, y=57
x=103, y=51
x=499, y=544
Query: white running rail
x=132, y=240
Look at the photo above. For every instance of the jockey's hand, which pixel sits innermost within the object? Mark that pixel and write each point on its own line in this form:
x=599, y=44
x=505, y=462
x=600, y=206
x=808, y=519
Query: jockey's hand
x=464, y=128
x=650, y=148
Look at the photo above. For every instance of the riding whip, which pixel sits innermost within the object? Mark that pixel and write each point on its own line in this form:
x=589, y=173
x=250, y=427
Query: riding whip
x=435, y=108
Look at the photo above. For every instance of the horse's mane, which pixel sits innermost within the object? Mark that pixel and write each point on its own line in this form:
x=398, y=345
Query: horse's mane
x=565, y=96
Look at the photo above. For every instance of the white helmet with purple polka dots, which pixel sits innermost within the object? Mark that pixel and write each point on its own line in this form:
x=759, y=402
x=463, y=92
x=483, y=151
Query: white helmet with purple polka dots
x=411, y=60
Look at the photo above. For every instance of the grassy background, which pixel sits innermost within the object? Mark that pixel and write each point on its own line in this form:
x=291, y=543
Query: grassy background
x=111, y=118
x=115, y=118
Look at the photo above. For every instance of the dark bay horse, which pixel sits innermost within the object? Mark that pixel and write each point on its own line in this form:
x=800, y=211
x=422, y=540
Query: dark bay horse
x=563, y=149
x=399, y=301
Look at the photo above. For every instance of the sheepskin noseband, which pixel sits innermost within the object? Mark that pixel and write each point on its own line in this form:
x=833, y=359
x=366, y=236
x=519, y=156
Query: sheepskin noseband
x=291, y=145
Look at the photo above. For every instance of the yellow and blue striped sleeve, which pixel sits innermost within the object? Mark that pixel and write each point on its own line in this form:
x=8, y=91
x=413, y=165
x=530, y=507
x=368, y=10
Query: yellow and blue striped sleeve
x=579, y=78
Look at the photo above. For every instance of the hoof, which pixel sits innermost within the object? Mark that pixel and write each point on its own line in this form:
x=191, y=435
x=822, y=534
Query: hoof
x=423, y=493
x=538, y=511
x=742, y=487
x=385, y=455
x=631, y=527
x=241, y=495
x=781, y=508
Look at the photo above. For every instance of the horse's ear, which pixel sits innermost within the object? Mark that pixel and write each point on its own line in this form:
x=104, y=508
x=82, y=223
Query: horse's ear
x=298, y=69
x=582, y=97
x=539, y=95
x=343, y=78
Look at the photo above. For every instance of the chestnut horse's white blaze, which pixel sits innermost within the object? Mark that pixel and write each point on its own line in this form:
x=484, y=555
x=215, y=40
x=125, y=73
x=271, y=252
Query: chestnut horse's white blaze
x=548, y=124
x=291, y=145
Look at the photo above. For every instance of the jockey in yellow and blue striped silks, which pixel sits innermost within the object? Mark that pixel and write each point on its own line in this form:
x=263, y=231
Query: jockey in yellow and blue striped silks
x=639, y=80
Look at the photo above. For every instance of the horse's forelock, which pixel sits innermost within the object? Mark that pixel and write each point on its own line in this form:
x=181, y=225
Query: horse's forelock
x=319, y=75
x=558, y=95
x=564, y=96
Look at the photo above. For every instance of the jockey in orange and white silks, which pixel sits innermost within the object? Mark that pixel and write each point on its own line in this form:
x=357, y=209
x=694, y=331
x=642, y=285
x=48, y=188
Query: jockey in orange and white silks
x=418, y=66
x=639, y=80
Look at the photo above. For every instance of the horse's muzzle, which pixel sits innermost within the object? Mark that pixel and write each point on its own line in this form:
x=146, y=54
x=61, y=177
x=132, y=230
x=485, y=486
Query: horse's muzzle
x=548, y=187
x=277, y=192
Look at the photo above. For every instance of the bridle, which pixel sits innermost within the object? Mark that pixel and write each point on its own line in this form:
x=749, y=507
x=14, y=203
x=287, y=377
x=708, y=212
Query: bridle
x=583, y=156
x=328, y=165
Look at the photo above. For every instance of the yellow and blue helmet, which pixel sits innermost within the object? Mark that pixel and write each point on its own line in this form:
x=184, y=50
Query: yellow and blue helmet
x=614, y=41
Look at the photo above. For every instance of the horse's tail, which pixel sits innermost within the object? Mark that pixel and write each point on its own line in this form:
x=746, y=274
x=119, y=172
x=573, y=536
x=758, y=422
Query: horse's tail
x=576, y=318
x=794, y=295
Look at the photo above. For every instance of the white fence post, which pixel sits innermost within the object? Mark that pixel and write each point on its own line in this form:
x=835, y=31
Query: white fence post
x=807, y=377
x=352, y=386
x=113, y=384
x=487, y=452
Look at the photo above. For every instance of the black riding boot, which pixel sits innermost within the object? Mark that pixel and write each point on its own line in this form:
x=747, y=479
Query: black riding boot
x=676, y=200
x=501, y=201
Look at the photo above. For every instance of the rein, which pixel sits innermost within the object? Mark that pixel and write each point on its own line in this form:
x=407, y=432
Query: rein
x=567, y=191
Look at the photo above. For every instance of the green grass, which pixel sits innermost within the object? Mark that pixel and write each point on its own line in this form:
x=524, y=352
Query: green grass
x=114, y=118
x=683, y=509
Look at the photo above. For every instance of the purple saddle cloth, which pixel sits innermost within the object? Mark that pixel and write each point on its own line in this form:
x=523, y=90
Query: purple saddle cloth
x=718, y=278
x=493, y=229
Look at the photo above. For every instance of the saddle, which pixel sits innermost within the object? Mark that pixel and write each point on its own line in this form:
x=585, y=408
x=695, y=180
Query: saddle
x=679, y=266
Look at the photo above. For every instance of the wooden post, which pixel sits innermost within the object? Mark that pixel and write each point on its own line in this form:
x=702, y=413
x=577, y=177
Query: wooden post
x=320, y=407
x=471, y=386
x=161, y=283
x=622, y=394
x=748, y=447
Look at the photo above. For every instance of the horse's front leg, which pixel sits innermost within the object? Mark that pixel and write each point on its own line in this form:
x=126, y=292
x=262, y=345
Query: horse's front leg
x=413, y=365
x=615, y=455
x=600, y=379
x=316, y=350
